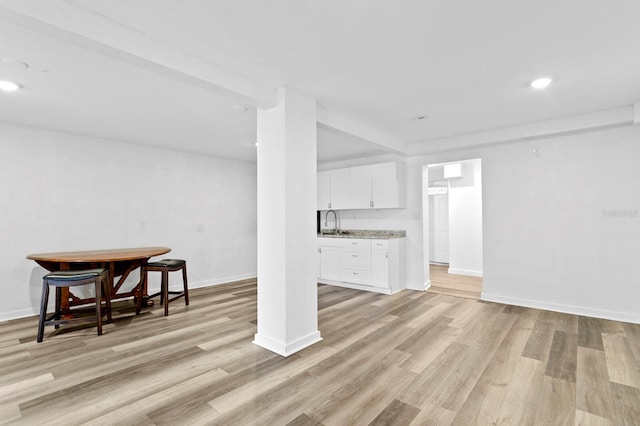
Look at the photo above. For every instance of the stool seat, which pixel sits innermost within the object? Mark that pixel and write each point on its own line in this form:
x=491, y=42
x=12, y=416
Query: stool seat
x=165, y=266
x=167, y=263
x=60, y=279
x=75, y=275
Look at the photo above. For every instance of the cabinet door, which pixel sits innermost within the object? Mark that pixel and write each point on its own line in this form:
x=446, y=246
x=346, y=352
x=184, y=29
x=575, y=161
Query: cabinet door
x=330, y=263
x=379, y=268
x=324, y=190
x=340, y=189
x=385, y=186
x=360, y=187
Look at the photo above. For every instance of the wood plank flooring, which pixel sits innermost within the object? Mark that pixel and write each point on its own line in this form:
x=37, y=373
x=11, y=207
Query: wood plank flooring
x=413, y=358
x=443, y=282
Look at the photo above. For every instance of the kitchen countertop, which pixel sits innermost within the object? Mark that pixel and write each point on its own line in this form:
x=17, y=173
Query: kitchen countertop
x=366, y=233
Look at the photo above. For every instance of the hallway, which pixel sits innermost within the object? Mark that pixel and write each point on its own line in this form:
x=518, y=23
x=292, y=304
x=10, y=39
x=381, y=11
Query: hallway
x=454, y=285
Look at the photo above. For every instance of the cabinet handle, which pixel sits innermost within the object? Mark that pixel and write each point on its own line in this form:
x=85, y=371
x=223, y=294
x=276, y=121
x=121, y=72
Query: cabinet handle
x=386, y=255
x=354, y=255
x=373, y=203
x=319, y=250
x=355, y=273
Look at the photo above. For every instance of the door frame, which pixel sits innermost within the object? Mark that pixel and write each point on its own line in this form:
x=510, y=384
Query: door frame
x=426, y=255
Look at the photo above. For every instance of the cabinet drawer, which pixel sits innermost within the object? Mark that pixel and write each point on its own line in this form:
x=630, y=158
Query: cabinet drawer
x=357, y=275
x=356, y=243
x=380, y=244
x=356, y=257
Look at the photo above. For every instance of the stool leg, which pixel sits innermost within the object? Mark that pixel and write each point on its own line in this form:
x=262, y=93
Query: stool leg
x=165, y=290
x=184, y=280
x=98, y=286
x=143, y=281
x=58, y=311
x=43, y=310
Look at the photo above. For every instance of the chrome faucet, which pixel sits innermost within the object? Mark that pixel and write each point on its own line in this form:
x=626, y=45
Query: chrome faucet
x=336, y=225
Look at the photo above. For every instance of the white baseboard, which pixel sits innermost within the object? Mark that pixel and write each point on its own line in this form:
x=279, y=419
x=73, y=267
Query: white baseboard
x=567, y=309
x=419, y=286
x=23, y=313
x=358, y=286
x=466, y=272
x=286, y=348
x=223, y=280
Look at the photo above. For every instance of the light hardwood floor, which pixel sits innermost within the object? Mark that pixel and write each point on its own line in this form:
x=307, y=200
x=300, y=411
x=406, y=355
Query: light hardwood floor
x=443, y=282
x=410, y=358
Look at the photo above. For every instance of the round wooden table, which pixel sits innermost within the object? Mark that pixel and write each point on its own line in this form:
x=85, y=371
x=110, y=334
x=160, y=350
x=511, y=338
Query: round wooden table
x=119, y=263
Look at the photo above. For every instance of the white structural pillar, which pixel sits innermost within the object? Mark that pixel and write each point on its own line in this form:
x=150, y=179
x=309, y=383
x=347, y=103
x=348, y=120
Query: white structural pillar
x=287, y=247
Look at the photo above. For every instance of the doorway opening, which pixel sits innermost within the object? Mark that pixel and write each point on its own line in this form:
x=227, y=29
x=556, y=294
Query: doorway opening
x=452, y=200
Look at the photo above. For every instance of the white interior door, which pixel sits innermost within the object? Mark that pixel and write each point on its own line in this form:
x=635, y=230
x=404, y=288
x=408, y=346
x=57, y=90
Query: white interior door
x=439, y=228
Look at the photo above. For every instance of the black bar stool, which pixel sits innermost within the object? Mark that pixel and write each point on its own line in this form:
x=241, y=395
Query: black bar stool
x=59, y=279
x=165, y=266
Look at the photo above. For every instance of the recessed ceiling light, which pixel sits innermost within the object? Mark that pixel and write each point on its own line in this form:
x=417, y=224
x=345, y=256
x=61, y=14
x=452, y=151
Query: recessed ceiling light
x=541, y=83
x=9, y=86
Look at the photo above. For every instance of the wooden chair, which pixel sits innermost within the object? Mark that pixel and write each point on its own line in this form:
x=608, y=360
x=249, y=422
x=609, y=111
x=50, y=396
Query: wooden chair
x=60, y=279
x=165, y=266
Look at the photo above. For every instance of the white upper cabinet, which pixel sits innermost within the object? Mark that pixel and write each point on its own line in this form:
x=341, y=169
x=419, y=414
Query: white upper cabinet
x=364, y=187
x=385, y=186
x=324, y=190
x=359, y=187
x=340, y=189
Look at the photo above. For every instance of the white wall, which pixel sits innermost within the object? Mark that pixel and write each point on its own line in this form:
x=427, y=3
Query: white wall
x=548, y=239
x=66, y=192
x=465, y=220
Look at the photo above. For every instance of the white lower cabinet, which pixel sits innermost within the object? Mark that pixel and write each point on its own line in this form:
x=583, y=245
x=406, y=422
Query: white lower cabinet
x=379, y=268
x=366, y=264
x=330, y=268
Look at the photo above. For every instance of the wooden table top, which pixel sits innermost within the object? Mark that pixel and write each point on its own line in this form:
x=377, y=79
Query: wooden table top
x=112, y=255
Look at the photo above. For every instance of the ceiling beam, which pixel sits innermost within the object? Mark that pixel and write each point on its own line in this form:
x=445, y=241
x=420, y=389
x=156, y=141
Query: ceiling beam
x=548, y=128
x=360, y=130
x=81, y=27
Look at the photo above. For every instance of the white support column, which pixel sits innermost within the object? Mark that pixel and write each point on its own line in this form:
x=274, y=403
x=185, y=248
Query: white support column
x=287, y=248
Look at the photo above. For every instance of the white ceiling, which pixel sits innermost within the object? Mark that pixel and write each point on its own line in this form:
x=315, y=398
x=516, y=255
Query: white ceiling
x=465, y=64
